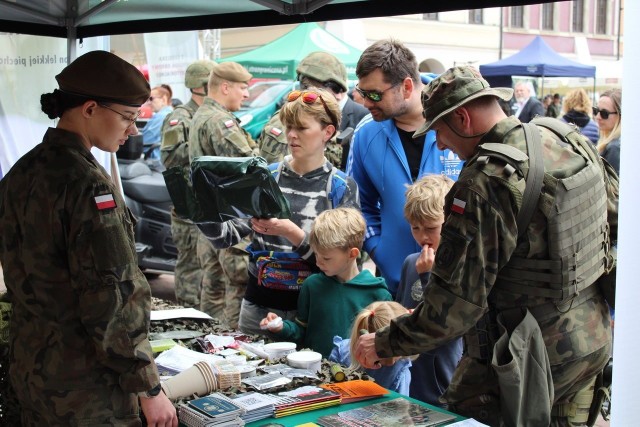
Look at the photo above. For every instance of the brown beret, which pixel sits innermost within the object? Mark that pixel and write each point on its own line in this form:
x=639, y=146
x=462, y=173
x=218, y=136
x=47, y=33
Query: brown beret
x=232, y=71
x=105, y=77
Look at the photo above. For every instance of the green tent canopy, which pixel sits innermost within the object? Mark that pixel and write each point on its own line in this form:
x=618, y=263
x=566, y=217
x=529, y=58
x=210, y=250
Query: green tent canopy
x=279, y=59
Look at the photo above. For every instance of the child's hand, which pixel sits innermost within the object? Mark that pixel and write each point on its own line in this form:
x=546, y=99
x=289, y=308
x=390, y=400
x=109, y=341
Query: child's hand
x=272, y=322
x=425, y=261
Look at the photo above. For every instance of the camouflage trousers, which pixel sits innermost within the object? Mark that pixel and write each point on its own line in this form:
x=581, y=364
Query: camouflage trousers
x=474, y=391
x=188, y=272
x=97, y=407
x=224, y=282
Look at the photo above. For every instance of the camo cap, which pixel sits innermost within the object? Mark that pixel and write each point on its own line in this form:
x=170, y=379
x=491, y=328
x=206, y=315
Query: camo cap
x=452, y=89
x=197, y=74
x=323, y=67
x=105, y=77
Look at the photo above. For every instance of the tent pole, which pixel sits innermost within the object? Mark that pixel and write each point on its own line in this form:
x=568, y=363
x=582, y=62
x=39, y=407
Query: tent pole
x=71, y=43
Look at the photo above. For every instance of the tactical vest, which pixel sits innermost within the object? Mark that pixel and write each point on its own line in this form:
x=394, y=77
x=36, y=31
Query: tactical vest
x=578, y=233
x=175, y=142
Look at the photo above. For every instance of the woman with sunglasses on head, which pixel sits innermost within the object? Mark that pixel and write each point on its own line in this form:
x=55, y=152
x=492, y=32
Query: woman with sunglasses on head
x=608, y=114
x=160, y=102
x=306, y=179
x=80, y=353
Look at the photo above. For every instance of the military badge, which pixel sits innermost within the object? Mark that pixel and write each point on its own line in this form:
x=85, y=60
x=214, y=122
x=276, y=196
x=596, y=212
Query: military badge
x=174, y=122
x=445, y=254
x=458, y=206
x=228, y=123
x=275, y=131
x=105, y=201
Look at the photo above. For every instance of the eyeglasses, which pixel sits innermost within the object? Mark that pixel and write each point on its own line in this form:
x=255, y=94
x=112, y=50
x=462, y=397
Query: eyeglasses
x=373, y=95
x=130, y=119
x=603, y=113
x=310, y=98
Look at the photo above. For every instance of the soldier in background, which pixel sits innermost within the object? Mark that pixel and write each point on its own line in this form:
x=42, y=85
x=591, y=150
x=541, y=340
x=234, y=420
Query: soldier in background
x=80, y=353
x=215, y=131
x=494, y=279
x=323, y=70
x=175, y=153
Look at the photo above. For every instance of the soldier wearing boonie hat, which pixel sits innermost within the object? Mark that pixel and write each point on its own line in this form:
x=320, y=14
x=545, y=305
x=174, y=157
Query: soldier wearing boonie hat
x=494, y=274
x=80, y=304
x=454, y=88
x=215, y=131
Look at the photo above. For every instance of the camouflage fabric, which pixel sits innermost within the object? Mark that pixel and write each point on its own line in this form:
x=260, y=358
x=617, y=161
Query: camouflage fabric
x=479, y=237
x=273, y=140
x=188, y=272
x=224, y=281
x=217, y=132
x=174, y=150
x=81, y=306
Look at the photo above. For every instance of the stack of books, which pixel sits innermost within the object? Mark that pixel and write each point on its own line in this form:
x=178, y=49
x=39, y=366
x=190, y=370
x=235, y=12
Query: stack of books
x=356, y=390
x=302, y=399
x=398, y=412
x=257, y=406
x=209, y=411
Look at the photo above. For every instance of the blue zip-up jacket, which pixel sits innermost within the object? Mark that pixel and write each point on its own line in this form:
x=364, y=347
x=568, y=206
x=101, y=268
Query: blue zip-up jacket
x=377, y=162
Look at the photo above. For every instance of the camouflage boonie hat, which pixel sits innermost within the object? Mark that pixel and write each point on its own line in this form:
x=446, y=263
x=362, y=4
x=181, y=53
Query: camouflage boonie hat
x=323, y=67
x=452, y=89
x=197, y=74
x=232, y=71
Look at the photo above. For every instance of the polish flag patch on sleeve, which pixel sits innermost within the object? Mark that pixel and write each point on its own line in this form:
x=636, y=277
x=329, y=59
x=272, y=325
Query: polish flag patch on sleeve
x=174, y=122
x=105, y=201
x=228, y=123
x=458, y=206
x=276, y=131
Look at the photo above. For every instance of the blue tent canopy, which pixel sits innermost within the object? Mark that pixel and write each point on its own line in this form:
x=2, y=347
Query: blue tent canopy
x=537, y=59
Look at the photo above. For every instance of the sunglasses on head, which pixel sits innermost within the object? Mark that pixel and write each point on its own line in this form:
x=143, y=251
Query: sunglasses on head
x=373, y=95
x=603, y=113
x=310, y=98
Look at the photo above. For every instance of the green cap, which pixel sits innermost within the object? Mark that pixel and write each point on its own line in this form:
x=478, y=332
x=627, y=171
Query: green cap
x=452, y=89
x=323, y=67
x=197, y=74
x=105, y=77
x=232, y=71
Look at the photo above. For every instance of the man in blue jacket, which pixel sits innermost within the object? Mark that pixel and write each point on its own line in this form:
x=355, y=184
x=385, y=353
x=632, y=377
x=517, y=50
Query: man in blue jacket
x=385, y=157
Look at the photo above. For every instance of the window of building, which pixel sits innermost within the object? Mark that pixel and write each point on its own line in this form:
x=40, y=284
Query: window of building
x=430, y=16
x=601, y=17
x=475, y=16
x=547, y=16
x=578, y=16
x=517, y=16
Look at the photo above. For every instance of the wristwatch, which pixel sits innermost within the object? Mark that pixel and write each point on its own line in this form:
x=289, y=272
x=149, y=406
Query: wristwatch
x=151, y=393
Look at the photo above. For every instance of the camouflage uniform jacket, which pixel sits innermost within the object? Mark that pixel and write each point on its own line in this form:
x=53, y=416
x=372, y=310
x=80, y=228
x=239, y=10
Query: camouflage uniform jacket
x=175, y=135
x=215, y=131
x=478, y=238
x=81, y=305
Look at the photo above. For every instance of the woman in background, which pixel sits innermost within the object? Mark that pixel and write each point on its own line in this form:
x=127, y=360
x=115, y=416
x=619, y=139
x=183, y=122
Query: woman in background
x=609, y=117
x=577, y=110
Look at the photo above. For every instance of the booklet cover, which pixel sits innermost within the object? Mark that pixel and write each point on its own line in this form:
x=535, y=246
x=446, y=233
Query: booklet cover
x=393, y=413
x=356, y=390
x=216, y=407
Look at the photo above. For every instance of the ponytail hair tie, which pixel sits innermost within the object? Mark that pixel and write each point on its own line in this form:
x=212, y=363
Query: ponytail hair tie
x=372, y=313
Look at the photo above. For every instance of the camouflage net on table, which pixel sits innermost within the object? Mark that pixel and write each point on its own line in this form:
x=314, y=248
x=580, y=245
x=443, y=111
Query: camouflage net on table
x=10, y=410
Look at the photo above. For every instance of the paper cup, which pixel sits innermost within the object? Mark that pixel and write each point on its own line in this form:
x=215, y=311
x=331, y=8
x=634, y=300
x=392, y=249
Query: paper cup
x=198, y=379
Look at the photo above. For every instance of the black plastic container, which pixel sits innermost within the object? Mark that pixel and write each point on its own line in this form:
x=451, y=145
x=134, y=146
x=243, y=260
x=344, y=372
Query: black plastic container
x=132, y=148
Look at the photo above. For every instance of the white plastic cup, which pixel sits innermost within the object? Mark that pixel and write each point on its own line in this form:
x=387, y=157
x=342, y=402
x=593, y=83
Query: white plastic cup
x=310, y=360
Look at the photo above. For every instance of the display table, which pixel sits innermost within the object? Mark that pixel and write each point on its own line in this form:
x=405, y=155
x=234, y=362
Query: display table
x=311, y=416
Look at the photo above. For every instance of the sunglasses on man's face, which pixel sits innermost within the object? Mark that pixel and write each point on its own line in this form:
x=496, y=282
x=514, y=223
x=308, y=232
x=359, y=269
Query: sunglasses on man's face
x=603, y=113
x=373, y=95
x=310, y=98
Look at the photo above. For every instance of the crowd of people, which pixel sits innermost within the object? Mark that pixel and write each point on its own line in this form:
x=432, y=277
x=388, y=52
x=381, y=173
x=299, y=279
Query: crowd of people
x=437, y=189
